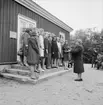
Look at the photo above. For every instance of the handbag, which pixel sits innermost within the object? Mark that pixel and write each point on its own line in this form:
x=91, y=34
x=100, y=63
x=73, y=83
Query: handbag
x=20, y=52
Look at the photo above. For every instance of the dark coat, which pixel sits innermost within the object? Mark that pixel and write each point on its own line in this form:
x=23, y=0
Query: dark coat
x=66, y=52
x=77, y=55
x=45, y=47
x=33, y=51
x=54, y=49
x=49, y=46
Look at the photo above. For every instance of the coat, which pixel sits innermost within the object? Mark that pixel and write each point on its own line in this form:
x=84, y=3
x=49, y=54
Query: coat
x=41, y=41
x=45, y=47
x=77, y=55
x=33, y=51
x=24, y=40
x=55, y=49
x=66, y=52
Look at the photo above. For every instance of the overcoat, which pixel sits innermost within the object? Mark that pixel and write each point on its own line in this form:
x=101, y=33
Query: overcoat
x=77, y=55
x=45, y=47
x=33, y=51
x=54, y=49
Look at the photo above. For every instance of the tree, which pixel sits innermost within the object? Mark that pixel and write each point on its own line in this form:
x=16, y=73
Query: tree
x=91, y=40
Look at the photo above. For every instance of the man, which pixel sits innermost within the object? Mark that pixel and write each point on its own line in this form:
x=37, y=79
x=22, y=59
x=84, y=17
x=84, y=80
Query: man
x=77, y=54
x=94, y=57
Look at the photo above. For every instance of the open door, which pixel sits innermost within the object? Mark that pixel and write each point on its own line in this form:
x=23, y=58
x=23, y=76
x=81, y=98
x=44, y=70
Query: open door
x=23, y=22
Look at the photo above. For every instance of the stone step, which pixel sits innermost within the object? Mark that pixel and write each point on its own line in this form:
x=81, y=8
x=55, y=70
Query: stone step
x=17, y=66
x=18, y=77
x=26, y=79
x=17, y=71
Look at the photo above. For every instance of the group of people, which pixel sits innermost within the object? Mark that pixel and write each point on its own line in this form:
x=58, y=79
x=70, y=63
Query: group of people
x=97, y=59
x=42, y=50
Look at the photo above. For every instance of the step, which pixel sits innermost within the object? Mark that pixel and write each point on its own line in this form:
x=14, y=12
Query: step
x=20, y=67
x=17, y=71
x=26, y=79
x=18, y=77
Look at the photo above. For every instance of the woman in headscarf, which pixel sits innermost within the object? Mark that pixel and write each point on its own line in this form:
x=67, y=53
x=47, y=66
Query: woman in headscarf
x=66, y=49
x=77, y=55
x=33, y=54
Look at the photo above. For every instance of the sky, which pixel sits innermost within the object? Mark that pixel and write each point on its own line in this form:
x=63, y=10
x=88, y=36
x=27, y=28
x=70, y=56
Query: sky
x=78, y=14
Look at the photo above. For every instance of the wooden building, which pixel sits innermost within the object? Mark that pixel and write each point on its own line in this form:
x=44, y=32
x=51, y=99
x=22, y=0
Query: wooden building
x=16, y=14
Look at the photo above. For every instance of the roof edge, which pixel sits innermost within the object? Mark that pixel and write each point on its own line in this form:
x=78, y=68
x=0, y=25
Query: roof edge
x=42, y=12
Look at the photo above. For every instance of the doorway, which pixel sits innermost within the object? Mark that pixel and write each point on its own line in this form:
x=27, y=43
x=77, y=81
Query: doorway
x=23, y=22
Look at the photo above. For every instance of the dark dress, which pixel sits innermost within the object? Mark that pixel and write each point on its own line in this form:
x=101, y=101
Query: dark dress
x=45, y=47
x=65, y=52
x=33, y=51
x=49, y=54
x=77, y=55
x=54, y=50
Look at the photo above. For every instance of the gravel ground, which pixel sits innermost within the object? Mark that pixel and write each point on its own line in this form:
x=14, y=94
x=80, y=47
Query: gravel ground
x=61, y=90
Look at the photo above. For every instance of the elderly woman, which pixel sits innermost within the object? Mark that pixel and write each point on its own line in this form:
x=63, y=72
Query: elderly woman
x=33, y=54
x=77, y=54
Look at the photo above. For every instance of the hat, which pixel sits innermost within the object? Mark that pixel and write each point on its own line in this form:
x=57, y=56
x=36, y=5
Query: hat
x=33, y=32
x=28, y=30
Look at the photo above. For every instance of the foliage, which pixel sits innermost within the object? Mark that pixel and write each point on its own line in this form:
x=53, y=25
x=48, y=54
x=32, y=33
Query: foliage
x=91, y=40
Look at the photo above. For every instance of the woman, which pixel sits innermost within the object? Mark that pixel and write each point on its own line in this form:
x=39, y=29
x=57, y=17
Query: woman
x=55, y=51
x=60, y=51
x=33, y=54
x=41, y=48
x=77, y=55
x=66, y=54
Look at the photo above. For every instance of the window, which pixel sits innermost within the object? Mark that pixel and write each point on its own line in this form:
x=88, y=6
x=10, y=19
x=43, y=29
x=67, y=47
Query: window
x=62, y=36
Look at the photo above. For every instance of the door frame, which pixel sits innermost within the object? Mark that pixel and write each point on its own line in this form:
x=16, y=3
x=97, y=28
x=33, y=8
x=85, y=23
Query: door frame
x=29, y=20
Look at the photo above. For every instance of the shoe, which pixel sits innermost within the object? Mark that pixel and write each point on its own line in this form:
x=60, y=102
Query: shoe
x=33, y=77
x=78, y=79
x=37, y=71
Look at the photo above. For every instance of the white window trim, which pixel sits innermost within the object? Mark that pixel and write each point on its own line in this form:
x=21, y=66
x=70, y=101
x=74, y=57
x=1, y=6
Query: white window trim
x=61, y=33
x=18, y=25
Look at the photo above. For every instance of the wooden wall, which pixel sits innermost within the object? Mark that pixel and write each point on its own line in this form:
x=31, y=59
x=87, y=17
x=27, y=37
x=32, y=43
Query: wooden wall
x=9, y=10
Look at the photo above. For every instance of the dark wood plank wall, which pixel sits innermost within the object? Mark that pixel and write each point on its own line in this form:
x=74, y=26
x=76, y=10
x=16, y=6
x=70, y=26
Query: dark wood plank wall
x=9, y=10
x=1, y=6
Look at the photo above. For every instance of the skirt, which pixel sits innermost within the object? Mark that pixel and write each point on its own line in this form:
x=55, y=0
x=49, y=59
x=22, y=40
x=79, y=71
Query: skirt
x=65, y=57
